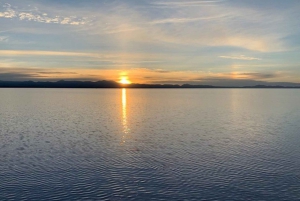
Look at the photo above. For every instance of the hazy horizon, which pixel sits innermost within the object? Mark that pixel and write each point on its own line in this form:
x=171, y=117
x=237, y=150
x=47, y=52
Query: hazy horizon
x=224, y=83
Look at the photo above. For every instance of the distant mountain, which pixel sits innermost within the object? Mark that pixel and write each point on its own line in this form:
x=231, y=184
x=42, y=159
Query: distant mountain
x=59, y=84
x=112, y=84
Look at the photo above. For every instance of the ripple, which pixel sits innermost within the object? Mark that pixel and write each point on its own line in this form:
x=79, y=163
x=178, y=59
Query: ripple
x=182, y=145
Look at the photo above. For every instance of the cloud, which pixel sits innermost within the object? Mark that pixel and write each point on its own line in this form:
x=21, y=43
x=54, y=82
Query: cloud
x=26, y=76
x=41, y=74
x=242, y=76
x=173, y=77
x=255, y=76
x=4, y=38
x=77, y=60
x=13, y=76
x=8, y=12
x=184, y=20
x=186, y=3
x=240, y=57
x=38, y=16
x=58, y=53
x=162, y=71
x=217, y=26
x=57, y=73
x=41, y=53
x=123, y=24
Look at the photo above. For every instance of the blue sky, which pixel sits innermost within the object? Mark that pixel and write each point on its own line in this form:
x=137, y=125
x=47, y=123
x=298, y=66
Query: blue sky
x=161, y=41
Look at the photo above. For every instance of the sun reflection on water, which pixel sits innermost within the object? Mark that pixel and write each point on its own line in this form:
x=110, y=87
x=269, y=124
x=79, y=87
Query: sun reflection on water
x=124, y=116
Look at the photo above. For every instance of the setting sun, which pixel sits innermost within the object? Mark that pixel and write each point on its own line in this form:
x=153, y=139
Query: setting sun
x=124, y=80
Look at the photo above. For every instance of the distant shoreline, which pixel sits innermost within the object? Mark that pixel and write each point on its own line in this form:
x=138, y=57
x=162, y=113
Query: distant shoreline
x=112, y=84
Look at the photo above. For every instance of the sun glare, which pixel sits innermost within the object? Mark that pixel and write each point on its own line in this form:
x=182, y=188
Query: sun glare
x=124, y=80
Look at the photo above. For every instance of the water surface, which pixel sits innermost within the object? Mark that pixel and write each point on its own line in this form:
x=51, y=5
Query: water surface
x=150, y=144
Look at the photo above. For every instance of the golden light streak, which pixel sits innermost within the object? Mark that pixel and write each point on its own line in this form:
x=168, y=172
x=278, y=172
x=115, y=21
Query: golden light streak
x=126, y=129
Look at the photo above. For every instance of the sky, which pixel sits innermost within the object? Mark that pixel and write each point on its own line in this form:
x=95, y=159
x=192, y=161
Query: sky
x=219, y=42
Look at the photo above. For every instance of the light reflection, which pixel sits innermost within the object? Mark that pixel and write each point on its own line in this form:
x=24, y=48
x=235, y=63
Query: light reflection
x=126, y=129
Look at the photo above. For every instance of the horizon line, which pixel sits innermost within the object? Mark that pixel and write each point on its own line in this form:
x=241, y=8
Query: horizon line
x=114, y=84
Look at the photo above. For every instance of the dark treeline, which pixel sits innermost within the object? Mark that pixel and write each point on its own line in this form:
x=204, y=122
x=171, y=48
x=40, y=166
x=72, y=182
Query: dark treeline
x=109, y=84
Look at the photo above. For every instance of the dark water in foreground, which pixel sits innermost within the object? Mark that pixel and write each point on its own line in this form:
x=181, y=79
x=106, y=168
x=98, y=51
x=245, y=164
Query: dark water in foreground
x=139, y=144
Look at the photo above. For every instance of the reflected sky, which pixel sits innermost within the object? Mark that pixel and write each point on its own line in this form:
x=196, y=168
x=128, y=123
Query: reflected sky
x=197, y=144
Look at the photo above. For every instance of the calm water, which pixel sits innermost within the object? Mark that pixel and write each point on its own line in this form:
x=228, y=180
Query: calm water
x=150, y=144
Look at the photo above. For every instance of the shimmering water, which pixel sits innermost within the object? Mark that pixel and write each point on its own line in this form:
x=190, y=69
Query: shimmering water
x=150, y=144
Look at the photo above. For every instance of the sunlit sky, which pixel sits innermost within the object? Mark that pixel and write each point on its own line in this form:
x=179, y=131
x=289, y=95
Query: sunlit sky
x=223, y=42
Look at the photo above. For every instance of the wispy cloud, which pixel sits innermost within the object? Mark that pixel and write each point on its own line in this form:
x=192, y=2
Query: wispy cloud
x=25, y=75
x=4, y=38
x=257, y=76
x=186, y=3
x=114, y=58
x=214, y=26
x=180, y=24
x=185, y=20
x=240, y=57
x=38, y=16
x=41, y=53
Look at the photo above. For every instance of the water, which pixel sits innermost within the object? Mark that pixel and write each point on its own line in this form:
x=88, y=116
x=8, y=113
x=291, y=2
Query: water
x=150, y=144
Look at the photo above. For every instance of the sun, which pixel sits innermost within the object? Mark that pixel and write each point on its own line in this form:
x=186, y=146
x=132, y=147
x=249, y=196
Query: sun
x=124, y=80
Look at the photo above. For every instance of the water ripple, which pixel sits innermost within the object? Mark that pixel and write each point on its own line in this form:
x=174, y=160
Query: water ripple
x=149, y=145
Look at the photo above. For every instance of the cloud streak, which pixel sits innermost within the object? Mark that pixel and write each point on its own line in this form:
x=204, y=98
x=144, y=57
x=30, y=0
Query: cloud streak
x=186, y=3
x=4, y=38
x=240, y=57
x=42, y=53
x=184, y=20
x=110, y=58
